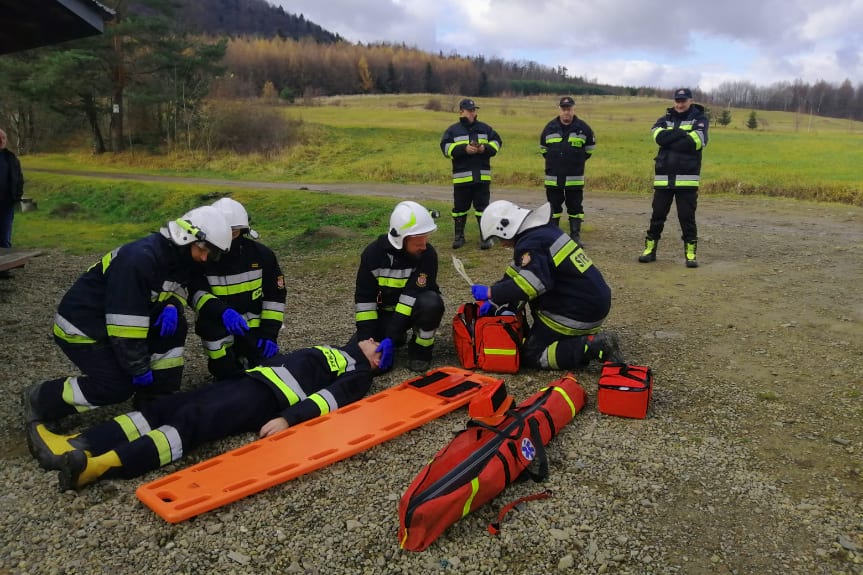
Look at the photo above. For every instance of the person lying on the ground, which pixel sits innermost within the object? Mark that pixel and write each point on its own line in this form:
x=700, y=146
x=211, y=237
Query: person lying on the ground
x=288, y=389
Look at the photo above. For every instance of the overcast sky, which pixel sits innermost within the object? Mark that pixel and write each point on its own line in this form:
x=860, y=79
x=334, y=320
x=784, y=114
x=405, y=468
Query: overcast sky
x=622, y=42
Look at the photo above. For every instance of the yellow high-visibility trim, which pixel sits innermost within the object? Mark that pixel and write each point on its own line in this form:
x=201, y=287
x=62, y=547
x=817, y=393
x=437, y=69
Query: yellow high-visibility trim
x=474, y=486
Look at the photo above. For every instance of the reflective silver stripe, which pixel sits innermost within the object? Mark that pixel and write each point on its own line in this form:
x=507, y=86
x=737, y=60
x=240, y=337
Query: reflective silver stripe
x=391, y=273
x=569, y=322
x=407, y=300
x=461, y=139
x=558, y=245
x=78, y=397
x=127, y=320
x=172, y=353
x=67, y=326
x=688, y=177
x=235, y=278
x=372, y=306
x=590, y=148
x=289, y=380
x=140, y=422
x=175, y=442
x=426, y=333
x=462, y=174
x=273, y=306
x=328, y=397
x=575, y=179
x=533, y=280
x=485, y=172
x=216, y=344
x=176, y=288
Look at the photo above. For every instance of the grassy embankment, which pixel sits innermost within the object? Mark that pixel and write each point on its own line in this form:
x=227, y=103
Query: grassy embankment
x=395, y=139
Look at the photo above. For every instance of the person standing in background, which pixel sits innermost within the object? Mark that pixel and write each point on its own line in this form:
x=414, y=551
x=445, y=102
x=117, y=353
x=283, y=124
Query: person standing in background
x=566, y=143
x=11, y=191
x=681, y=135
x=470, y=144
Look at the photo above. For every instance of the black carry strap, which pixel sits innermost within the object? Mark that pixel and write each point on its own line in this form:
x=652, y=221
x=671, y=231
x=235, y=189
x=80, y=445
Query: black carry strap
x=625, y=372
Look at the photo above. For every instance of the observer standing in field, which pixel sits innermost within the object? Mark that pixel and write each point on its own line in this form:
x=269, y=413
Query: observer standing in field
x=681, y=135
x=11, y=190
x=566, y=143
x=470, y=144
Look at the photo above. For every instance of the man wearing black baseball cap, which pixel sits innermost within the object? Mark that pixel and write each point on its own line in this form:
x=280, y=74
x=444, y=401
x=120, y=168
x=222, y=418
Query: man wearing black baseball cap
x=470, y=144
x=681, y=135
x=566, y=143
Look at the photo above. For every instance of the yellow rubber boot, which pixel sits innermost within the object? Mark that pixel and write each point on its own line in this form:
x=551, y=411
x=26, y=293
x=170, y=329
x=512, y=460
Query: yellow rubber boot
x=48, y=447
x=78, y=470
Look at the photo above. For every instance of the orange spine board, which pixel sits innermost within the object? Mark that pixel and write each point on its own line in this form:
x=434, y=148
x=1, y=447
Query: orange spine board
x=311, y=445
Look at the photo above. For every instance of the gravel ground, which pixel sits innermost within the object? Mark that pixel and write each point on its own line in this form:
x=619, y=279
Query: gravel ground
x=748, y=463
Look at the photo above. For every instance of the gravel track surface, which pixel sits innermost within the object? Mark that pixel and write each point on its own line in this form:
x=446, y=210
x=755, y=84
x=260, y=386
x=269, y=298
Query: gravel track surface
x=749, y=461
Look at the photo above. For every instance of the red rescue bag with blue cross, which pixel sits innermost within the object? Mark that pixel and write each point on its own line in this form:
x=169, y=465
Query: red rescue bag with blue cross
x=482, y=460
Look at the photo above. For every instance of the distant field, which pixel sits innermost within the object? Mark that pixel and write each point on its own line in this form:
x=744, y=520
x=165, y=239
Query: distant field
x=395, y=139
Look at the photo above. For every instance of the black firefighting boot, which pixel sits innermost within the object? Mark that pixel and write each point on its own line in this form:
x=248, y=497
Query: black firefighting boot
x=604, y=346
x=29, y=403
x=459, y=222
x=575, y=229
x=689, y=249
x=78, y=470
x=483, y=244
x=48, y=448
x=649, y=253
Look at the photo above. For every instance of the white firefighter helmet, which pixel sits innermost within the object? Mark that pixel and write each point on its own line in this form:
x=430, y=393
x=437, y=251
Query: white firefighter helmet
x=236, y=214
x=409, y=219
x=205, y=224
x=503, y=219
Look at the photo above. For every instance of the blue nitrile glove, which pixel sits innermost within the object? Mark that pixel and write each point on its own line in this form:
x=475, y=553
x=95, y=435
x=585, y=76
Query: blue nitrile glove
x=167, y=321
x=479, y=291
x=387, y=354
x=234, y=322
x=143, y=380
x=268, y=347
x=487, y=308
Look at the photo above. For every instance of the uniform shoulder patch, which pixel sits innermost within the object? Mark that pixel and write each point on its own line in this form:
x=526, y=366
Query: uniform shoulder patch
x=422, y=280
x=525, y=259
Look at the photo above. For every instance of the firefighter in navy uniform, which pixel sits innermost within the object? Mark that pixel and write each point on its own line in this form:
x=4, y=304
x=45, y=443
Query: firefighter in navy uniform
x=569, y=299
x=241, y=305
x=470, y=144
x=681, y=135
x=397, y=287
x=288, y=389
x=122, y=322
x=566, y=143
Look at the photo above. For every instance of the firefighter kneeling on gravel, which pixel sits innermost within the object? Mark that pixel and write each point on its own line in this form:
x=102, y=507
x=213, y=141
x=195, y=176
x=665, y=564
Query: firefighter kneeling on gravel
x=569, y=299
x=241, y=300
x=397, y=288
x=122, y=322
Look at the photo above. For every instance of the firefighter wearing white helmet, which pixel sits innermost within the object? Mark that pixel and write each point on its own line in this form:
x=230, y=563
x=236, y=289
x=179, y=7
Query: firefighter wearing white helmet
x=397, y=290
x=569, y=298
x=122, y=323
x=239, y=300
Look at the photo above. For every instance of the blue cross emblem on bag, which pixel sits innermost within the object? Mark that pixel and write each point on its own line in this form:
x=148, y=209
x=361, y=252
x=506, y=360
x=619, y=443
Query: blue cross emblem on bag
x=528, y=451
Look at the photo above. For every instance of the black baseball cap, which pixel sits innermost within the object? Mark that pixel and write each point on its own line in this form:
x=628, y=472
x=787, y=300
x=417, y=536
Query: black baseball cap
x=467, y=104
x=566, y=102
x=683, y=94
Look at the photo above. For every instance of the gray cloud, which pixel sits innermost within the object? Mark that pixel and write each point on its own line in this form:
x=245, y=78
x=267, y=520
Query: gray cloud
x=634, y=42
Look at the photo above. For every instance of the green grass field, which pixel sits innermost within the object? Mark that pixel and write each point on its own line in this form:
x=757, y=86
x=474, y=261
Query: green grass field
x=396, y=139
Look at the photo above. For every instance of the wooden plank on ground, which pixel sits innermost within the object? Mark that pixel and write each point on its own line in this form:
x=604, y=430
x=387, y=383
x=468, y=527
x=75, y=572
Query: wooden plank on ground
x=11, y=258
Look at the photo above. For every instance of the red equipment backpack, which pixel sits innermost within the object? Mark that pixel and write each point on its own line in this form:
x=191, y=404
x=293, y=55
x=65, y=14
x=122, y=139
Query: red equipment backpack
x=491, y=343
x=482, y=460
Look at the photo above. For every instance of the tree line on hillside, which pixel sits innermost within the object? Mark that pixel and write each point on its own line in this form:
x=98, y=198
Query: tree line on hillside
x=820, y=99
x=150, y=81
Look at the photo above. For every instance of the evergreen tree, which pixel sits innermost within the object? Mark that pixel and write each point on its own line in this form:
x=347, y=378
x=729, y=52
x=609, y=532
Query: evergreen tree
x=752, y=122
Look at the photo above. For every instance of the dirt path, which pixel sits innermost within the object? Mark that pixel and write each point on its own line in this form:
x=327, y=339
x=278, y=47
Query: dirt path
x=750, y=462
